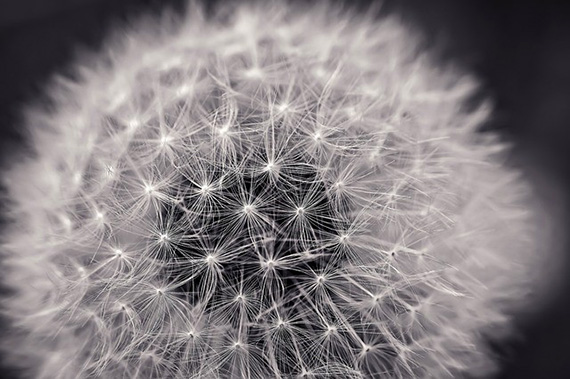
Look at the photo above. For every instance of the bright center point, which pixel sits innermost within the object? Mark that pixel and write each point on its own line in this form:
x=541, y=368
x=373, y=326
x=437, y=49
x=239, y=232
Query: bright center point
x=248, y=209
x=134, y=123
x=206, y=188
x=254, y=72
x=224, y=130
x=183, y=90
x=320, y=72
x=164, y=140
x=317, y=136
x=109, y=171
x=270, y=166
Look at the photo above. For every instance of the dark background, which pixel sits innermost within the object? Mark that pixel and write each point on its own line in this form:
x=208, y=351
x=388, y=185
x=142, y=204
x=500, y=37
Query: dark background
x=519, y=50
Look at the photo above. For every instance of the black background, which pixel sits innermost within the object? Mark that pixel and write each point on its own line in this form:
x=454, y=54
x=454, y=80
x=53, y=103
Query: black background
x=519, y=50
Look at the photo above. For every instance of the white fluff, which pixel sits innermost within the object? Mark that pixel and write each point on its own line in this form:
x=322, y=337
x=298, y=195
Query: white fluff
x=283, y=192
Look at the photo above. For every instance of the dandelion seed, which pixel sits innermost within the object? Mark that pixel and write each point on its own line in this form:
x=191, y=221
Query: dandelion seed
x=270, y=264
x=205, y=189
x=223, y=131
x=283, y=107
x=317, y=136
x=331, y=329
x=210, y=259
x=269, y=167
x=109, y=171
x=248, y=209
x=165, y=140
x=149, y=189
x=99, y=216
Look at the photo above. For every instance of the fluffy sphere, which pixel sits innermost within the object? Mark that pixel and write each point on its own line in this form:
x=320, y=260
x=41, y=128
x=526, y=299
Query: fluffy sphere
x=272, y=192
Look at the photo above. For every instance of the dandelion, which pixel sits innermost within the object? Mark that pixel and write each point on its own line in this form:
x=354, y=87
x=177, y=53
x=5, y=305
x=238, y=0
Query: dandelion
x=287, y=192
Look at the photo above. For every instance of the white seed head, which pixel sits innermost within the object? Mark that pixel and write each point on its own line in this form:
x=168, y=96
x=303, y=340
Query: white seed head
x=393, y=239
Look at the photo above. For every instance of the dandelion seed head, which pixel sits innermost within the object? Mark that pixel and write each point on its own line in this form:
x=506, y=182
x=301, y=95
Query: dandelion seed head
x=273, y=192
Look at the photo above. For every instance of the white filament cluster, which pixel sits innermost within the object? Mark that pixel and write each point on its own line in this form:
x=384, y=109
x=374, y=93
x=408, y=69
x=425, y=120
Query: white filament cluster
x=288, y=193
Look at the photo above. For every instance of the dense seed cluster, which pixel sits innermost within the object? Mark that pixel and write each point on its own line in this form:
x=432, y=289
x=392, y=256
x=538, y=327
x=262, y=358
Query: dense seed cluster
x=284, y=194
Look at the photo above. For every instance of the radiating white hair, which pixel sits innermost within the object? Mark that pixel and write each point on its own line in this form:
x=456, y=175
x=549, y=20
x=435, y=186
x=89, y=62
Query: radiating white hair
x=277, y=191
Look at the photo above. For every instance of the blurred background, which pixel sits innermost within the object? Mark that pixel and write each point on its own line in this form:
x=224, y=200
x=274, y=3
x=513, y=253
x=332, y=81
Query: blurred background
x=520, y=51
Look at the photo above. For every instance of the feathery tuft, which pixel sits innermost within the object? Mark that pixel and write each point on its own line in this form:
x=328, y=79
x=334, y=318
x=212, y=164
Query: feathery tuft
x=290, y=192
